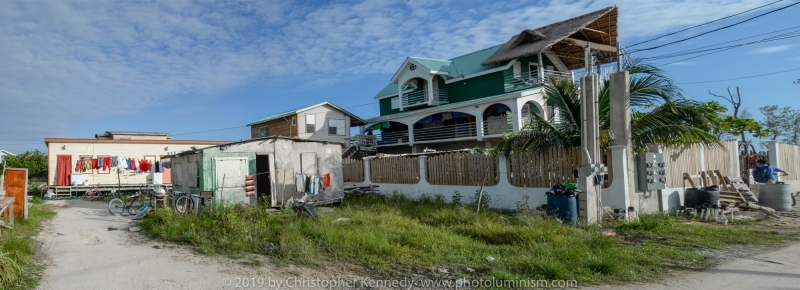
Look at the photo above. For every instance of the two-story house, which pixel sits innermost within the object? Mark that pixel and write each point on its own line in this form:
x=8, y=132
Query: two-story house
x=472, y=100
x=321, y=122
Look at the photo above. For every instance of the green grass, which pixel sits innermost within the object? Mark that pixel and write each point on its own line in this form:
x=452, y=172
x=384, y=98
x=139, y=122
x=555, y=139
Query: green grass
x=400, y=236
x=18, y=266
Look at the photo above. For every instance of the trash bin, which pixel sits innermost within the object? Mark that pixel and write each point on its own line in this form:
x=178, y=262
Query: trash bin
x=564, y=208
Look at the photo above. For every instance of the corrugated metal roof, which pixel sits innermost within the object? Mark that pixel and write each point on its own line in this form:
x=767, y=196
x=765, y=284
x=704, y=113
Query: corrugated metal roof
x=388, y=90
x=436, y=64
x=470, y=63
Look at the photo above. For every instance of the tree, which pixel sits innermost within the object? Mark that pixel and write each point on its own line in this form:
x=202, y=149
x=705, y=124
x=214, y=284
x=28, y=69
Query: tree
x=661, y=115
x=740, y=123
x=35, y=162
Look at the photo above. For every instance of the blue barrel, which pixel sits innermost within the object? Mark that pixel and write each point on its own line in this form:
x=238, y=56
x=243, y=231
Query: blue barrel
x=564, y=208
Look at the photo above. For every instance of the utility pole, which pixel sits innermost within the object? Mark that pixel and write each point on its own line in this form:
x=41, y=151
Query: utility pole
x=592, y=170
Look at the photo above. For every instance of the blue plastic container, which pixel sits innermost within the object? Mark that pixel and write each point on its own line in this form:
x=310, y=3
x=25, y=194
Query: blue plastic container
x=564, y=208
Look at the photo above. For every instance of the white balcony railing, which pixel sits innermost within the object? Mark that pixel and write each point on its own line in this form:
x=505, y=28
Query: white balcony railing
x=392, y=138
x=446, y=132
x=418, y=98
x=523, y=81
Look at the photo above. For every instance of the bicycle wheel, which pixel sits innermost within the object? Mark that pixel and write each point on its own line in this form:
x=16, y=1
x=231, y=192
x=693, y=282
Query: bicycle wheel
x=184, y=205
x=143, y=212
x=116, y=207
x=136, y=205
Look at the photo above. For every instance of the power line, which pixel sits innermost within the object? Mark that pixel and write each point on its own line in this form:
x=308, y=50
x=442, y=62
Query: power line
x=715, y=30
x=701, y=49
x=739, y=78
x=726, y=17
x=10, y=144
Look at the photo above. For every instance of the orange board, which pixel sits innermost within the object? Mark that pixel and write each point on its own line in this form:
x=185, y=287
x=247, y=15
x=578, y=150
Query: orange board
x=16, y=186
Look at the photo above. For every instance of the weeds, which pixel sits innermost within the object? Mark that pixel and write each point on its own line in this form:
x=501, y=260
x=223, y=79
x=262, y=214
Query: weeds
x=401, y=235
x=18, y=268
x=457, y=198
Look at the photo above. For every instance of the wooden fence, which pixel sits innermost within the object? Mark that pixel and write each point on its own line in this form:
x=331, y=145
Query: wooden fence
x=682, y=160
x=545, y=169
x=789, y=156
x=395, y=169
x=462, y=168
x=353, y=170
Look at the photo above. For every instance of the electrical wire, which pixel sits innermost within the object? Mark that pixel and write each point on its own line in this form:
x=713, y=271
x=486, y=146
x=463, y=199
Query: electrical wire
x=791, y=34
x=739, y=78
x=685, y=29
x=714, y=30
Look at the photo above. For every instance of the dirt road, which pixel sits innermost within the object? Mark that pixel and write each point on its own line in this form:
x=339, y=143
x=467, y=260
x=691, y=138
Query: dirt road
x=82, y=253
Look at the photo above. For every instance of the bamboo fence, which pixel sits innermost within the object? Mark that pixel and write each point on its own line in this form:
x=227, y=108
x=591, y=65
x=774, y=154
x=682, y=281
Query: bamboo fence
x=353, y=170
x=395, y=170
x=543, y=169
x=462, y=168
x=789, y=156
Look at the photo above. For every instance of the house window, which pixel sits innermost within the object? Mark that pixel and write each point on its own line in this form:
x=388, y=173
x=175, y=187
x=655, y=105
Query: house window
x=336, y=127
x=310, y=124
x=395, y=103
x=294, y=121
x=533, y=70
x=85, y=158
x=263, y=131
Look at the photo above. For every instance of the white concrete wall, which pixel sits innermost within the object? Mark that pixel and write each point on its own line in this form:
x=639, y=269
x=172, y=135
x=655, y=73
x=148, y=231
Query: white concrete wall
x=502, y=196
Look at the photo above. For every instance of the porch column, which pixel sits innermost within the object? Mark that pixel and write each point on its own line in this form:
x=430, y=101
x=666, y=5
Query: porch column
x=540, y=68
x=774, y=154
x=431, y=100
x=410, y=134
x=516, y=109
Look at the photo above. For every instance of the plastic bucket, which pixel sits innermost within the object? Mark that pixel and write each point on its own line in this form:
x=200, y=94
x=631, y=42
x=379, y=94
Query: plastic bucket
x=564, y=208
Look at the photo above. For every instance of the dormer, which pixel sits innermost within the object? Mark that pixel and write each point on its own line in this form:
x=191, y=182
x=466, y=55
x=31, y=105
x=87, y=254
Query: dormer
x=420, y=81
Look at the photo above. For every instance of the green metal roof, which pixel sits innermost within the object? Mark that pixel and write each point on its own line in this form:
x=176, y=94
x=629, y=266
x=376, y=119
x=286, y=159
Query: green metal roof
x=436, y=64
x=388, y=90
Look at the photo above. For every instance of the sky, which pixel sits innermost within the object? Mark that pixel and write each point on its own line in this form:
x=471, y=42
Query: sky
x=202, y=70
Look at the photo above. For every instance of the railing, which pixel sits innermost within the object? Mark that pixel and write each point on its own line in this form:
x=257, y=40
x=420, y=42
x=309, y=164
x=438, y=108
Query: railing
x=490, y=128
x=421, y=97
x=392, y=138
x=446, y=132
x=364, y=142
x=523, y=81
x=415, y=98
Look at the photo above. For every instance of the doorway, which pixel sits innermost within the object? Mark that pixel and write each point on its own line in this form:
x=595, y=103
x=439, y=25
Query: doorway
x=263, y=184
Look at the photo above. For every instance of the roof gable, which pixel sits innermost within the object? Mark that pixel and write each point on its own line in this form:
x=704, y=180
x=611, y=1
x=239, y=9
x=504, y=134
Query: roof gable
x=354, y=120
x=565, y=39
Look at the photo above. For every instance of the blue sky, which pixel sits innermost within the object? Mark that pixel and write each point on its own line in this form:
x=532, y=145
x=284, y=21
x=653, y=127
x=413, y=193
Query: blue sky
x=75, y=68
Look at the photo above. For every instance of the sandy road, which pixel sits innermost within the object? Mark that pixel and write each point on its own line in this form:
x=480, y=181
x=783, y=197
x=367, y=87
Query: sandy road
x=80, y=252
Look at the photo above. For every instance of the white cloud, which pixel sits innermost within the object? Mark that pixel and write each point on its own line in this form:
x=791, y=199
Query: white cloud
x=771, y=49
x=76, y=60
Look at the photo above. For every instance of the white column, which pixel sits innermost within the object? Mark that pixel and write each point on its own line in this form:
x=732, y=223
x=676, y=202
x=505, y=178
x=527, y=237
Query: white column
x=423, y=179
x=516, y=109
x=431, y=100
x=617, y=195
x=479, y=120
x=774, y=154
x=410, y=134
x=367, y=180
x=540, y=67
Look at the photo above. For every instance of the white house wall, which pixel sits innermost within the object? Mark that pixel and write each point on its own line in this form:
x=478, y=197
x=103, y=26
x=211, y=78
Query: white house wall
x=129, y=150
x=321, y=116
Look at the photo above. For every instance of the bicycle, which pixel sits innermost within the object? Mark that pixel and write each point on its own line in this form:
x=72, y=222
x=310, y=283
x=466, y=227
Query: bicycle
x=117, y=206
x=95, y=194
x=182, y=203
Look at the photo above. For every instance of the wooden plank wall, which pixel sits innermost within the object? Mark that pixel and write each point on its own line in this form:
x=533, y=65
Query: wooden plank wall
x=789, y=156
x=545, y=169
x=353, y=170
x=681, y=160
x=723, y=159
x=395, y=170
x=462, y=168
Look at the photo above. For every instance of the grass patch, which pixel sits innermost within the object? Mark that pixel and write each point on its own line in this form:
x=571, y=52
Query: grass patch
x=400, y=236
x=18, y=267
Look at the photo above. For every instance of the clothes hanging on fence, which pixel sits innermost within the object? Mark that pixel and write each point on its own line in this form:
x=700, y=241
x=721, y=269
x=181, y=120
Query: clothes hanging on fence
x=299, y=183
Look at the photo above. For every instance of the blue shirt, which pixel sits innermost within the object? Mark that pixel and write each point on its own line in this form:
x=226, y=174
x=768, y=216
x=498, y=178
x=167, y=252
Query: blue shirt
x=770, y=171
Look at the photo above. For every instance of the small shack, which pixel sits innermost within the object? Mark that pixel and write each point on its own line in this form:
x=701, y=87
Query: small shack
x=277, y=168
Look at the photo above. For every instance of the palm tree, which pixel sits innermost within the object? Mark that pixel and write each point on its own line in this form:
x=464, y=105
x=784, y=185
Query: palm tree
x=660, y=115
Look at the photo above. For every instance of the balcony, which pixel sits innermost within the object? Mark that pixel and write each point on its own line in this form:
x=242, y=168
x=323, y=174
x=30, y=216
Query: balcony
x=421, y=98
x=446, y=132
x=517, y=82
x=392, y=138
x=497, y=127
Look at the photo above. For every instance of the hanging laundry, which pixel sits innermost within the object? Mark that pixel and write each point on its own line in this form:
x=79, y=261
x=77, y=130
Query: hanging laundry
x=385, y=125
x=456, y=115
x=447, y=116
x=133, y=163
x=327, y=180
x=308, y=184
x=106, y=163
x=437, y=117
x=100, y=162
x=79, y=166
x=377, y=126
x=299, y=182
x=87, y=164
x=94, y=163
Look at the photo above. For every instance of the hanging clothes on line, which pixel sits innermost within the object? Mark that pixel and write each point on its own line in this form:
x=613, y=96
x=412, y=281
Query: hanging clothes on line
x=79, y=166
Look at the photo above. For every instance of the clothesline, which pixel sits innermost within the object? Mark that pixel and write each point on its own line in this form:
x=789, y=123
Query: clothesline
x=105, y=163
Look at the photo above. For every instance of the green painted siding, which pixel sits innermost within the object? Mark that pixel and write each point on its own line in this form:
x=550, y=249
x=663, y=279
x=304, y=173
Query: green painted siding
x=386, y=107
x=475, y=88
x=526, y=61
x=206, y=168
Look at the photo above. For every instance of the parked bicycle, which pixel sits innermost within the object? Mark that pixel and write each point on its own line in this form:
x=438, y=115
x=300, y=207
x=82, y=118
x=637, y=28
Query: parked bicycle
x=137, y=202
x=182, y=202
x=94, y=194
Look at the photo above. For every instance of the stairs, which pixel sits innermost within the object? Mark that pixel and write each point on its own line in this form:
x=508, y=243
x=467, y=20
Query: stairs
x=360, y=147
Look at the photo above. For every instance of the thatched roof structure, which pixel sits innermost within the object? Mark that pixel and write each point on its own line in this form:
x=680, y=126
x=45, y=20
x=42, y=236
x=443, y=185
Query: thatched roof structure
x=566, y=39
